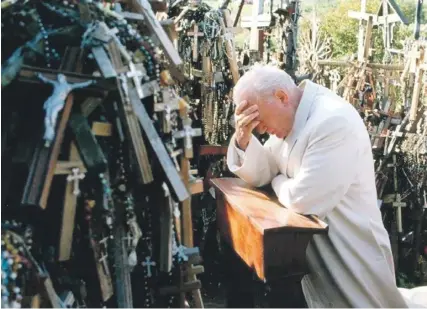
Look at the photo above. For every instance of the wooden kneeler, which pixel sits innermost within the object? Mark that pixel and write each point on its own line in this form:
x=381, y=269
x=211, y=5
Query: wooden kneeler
x=270, y=239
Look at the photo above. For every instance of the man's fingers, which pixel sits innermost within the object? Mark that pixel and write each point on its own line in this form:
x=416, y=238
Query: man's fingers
x=250, y=110
x=253, y=125
x=244, y=121
x=242, y=105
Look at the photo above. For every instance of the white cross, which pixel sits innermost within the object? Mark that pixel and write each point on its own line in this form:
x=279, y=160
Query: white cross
x=399, y=204
x=103, y=259
x=148, y=264
x=334, y=78
x=188, y=134
x=136, y=75
x=76, y=177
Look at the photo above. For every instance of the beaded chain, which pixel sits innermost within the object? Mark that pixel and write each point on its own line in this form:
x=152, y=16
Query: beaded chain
x=51, y=54
x=14, y=263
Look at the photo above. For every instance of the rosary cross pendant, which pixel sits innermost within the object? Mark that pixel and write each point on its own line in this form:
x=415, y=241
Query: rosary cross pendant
x=76, y=177
x=148, y=263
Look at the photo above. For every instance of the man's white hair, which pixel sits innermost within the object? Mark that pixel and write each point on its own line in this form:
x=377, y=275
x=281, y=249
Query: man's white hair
x=262, y=81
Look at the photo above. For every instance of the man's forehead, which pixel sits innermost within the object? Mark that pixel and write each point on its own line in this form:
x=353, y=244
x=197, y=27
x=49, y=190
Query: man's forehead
x=248, y=97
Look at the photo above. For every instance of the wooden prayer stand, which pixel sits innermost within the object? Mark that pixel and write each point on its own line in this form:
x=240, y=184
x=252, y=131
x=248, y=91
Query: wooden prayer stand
x=270, y=239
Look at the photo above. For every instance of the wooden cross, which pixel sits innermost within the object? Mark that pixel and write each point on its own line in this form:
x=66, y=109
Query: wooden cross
x=148, y=263
x=70, y=202
x=195, y=35
x=130, y=123
x=158, y=147
x=362, y=16
x=187, y=226
x=76, y=177
x=227, y=25
x=37, y=187
x=136, y=76
x=104, y=63
x=417, y=57
x=166, y=230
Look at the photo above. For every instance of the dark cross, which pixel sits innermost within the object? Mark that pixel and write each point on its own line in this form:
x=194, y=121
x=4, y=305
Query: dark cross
x=196, y=35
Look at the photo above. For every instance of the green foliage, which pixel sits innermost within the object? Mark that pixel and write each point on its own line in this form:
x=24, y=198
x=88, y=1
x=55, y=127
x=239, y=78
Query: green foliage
x=343, y=30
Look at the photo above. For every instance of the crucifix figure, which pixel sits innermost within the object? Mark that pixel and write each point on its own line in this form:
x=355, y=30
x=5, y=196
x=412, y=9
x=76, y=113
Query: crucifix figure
x=195, y=34
x=148, y=263
x=133, y=237
x=76, y=177
x=55, y=103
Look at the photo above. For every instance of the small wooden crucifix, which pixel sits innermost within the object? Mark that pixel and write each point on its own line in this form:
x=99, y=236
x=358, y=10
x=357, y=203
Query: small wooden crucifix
x=195, y=33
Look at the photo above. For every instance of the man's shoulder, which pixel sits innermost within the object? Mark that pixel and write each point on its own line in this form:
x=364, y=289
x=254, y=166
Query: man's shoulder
x=330, y=106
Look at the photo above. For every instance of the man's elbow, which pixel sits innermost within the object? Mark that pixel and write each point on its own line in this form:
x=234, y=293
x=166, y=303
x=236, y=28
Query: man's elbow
x=301, y=208
x=256, y=182
x=307, y=207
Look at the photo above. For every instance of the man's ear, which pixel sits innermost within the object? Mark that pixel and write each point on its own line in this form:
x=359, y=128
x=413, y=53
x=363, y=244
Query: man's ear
x=282, y=96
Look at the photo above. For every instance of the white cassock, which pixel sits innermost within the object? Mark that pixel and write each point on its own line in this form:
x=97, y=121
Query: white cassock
x=325, y=167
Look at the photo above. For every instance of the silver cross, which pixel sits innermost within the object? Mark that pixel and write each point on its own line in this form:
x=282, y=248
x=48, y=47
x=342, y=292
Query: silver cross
x=76, y=177
x=148, y=264
x=188, y=133
x=136, y=75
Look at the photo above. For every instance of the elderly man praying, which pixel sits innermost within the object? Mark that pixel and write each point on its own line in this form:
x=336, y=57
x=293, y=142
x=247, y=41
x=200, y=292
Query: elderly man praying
x=318, y=160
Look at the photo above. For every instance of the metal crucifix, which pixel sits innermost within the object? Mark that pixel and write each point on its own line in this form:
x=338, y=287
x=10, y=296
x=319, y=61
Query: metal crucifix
x=148, y=263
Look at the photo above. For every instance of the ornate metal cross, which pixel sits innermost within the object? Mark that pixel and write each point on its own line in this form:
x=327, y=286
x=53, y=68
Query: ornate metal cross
x=76, y=177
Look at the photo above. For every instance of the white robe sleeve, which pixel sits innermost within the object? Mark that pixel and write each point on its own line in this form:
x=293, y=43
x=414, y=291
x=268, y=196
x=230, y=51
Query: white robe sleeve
x=328, y=168
x=256, y=165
